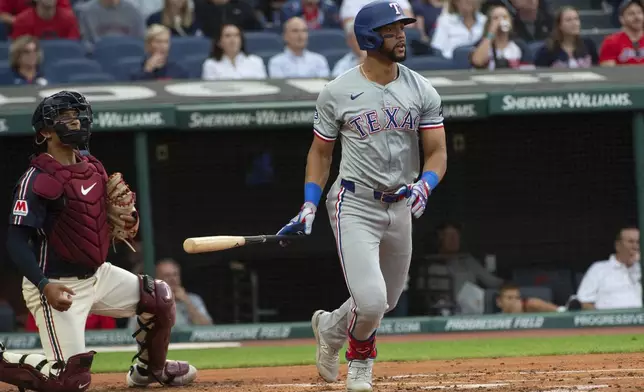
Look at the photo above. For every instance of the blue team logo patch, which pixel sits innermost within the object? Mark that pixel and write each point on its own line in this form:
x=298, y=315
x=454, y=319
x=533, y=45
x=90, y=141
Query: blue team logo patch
x=316, y=117
x=21, y=208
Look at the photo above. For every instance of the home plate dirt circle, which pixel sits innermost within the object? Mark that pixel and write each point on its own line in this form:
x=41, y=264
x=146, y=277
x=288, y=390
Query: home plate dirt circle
x=569, y=373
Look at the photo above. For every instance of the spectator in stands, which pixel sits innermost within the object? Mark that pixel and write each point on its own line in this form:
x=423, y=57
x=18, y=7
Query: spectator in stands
x=348, y=11
x=101, y=18
x=229, y=60
x=509, y=300
x=499, y=49
x=178, y=16
x=532, y=19
x=149, y=7
x=461, y=25
x=156, y=65
x=565, y=48
x=46, y=21
x=9, y=9
x=349, y=60
x=316, y=13
x=626, y=46
x=459, y=266
x=296, y=61
x=615, y=283
x=270, y=13
x=25, y=58
x=212, y=14
x=191, y=309
x=427, y=13
x=94, y=322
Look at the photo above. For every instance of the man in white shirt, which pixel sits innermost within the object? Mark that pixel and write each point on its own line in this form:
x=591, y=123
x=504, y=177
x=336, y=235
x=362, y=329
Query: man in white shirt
x=615, y=283
x=296, y=61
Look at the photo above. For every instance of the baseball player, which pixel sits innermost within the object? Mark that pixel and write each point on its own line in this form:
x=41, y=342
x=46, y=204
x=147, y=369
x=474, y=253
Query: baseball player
x=381, y=111
x=64, y=215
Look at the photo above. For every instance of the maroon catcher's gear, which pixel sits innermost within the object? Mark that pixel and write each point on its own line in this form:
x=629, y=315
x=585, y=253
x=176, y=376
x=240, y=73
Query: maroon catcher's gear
x=153, y=335
x=74, y=376
x=80, y=233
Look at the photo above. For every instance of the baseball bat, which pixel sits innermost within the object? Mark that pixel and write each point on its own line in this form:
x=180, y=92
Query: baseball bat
x=222, y=242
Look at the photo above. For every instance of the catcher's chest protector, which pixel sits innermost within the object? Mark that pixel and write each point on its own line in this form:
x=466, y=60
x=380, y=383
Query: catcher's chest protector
x=80, y=233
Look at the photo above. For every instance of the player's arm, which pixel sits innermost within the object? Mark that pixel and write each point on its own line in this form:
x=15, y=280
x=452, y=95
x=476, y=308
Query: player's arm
x=23, y=256
x=540, y=306
x=27, y=216
x=318, y=162
x=432, y=133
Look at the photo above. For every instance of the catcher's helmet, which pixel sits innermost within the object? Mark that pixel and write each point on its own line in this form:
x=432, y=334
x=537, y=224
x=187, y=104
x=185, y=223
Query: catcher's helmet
x=373, y=16
x=46, y=117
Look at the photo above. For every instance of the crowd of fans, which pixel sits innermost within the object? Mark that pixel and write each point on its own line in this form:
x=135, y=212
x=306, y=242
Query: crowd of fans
x=491, y=34
x=452, y=272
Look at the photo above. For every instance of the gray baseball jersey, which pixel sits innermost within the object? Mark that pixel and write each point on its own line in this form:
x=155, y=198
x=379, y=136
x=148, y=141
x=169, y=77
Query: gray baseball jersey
x=379, y=131
x=378, y=125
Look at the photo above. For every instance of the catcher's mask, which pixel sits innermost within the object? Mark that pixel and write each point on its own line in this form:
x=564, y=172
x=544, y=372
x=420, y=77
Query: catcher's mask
x=47, y=116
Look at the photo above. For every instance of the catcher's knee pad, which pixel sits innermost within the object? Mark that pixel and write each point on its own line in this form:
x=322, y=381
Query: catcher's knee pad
x=74, y=376
x=156, y=299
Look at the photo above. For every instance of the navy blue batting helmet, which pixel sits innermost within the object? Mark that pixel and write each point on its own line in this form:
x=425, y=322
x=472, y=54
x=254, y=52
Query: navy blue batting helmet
x=373, y=16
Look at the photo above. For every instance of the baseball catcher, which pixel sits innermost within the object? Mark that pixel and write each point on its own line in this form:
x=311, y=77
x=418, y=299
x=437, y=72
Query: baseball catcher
x=66, y=212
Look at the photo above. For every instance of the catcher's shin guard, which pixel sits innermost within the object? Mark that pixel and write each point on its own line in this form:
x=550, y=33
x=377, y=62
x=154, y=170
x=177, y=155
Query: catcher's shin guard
x=156, y=310
x=34, y=373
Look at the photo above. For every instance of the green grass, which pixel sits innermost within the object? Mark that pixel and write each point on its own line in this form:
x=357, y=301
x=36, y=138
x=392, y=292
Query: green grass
x=404, y=351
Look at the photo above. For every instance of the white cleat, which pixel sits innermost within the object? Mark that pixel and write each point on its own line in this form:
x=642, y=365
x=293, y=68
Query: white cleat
x=175, y=374
x=359, y=377
x=326, y=358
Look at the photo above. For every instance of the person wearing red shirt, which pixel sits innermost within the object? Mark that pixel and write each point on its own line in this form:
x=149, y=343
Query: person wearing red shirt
x=46, y=21
x=9, y=9
x=94, y=321
x=626, y=46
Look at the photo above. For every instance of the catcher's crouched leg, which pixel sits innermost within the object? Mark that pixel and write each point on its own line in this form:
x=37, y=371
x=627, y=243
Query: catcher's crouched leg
x=156, y=317
x=34, y=373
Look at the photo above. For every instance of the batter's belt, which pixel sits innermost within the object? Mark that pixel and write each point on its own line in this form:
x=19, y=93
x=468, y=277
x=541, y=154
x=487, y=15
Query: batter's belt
x=377, y=195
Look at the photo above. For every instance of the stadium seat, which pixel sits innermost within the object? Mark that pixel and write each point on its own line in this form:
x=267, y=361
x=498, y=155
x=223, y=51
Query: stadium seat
x=62, y=70
x=6, y=76
x=597, y=35
x=333, y=55
x=109, y=50
x=4, y=32
x=261, y=41
x=125, y=67
x=325, y=39
x=93, y=77
x=4, y=50
x=541, y=292
x=182, y=47
x=57, y=49
x=559, y=280
x=461, y=57
x=266, y=56
x=194, y=65
x=428, y=63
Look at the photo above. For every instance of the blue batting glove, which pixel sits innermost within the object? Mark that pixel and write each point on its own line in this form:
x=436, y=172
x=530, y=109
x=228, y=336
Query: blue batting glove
x=302, y=223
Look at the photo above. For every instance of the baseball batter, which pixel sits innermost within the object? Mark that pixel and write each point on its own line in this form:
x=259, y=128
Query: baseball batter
x=65, y=212
x=380, y=111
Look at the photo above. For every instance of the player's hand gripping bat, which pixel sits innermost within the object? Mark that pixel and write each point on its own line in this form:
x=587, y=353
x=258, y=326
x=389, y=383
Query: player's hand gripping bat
x=223, y=242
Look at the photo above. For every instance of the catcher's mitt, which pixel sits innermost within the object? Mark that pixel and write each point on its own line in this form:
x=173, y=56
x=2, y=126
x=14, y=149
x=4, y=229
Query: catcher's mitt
x=120, y=201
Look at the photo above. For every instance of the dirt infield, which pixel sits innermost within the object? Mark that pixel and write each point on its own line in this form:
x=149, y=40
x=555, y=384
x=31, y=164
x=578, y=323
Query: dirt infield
x=595, y=372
